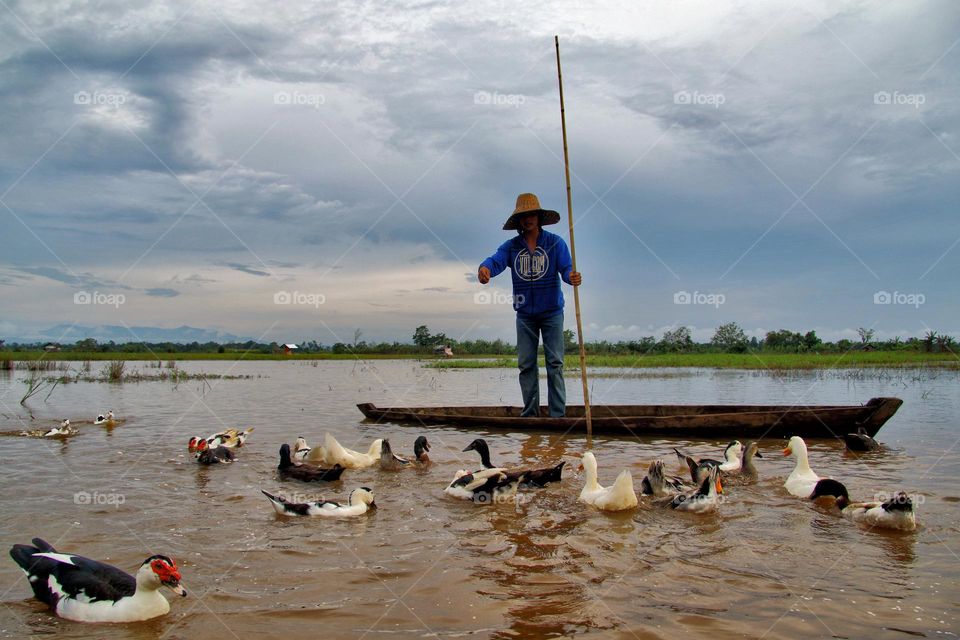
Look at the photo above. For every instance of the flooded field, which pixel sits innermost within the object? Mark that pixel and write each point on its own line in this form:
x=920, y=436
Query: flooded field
x=767, y=565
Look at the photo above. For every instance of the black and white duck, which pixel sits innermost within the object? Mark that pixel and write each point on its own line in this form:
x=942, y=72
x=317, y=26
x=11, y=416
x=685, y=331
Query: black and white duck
x=62, y=430
x=896, y=512
x=80, y=589
x=358, y=502
x=705, y=499
x=485, y=486
x=305, y=472
x=536, y=477
x=699, y=468
x=207, y=455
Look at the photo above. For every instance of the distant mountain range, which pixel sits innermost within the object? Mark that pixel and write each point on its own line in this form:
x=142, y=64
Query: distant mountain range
x=68, y=334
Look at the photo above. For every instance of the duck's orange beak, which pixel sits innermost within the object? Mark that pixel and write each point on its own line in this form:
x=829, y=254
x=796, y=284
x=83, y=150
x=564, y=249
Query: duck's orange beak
x=719, y=486
x=787, y=451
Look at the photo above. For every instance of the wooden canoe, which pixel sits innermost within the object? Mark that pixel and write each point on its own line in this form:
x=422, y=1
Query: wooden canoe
x=686, y=421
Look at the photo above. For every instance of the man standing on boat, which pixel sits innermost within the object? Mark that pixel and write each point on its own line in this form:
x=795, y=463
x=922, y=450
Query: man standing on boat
x=538, y=260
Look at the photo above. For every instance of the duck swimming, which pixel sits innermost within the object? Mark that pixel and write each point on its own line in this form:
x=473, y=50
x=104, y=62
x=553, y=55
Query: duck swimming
x=359, y=502
x=536, y=477
x=104, y=418
x=894, y=513
x=618, y=497
x=705, y=499
x=64, y=429
x=306, y=472
x=657, y=483
x=389, y=461
x=213, y=455
x=860, y=441
x=802, y=481
x=485, y=486
x=699, y=468
x=80, y=589
x=349, y=459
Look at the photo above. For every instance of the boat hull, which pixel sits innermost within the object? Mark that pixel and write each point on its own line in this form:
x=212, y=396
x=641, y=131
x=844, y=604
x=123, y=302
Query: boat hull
x=684, y=421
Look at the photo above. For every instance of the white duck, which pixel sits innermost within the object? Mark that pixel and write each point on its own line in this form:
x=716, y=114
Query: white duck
x=618, y=497
x=802, y=481
x=338, y=454
x=78, y=588
x=104, y=418
x=894, y=513
x=358, y=503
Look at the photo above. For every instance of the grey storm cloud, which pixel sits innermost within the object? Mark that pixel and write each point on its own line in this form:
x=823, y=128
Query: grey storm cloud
x=775, y=144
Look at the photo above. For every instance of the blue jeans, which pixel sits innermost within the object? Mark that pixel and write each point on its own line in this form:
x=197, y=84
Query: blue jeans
x=528, y=339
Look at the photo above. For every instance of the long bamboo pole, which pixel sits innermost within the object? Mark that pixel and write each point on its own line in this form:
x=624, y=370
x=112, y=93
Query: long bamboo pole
x=573, y=247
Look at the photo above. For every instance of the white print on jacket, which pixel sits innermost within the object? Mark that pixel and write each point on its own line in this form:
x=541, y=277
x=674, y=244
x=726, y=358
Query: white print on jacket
x=531, y=267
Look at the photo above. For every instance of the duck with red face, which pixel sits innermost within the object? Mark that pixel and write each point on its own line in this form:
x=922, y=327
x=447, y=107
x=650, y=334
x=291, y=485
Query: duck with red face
x=77, y=588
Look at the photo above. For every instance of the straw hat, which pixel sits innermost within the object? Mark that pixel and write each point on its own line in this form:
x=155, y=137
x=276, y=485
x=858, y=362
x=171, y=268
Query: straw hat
x=528, y=203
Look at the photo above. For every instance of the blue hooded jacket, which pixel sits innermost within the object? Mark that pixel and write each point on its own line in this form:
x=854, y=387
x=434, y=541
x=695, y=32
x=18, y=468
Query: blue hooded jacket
x=536, y=278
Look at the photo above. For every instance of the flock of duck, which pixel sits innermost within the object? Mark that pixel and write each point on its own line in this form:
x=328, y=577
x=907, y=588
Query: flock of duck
x=81, y=589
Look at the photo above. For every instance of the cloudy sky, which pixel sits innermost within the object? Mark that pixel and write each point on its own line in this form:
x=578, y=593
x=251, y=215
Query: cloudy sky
x=785, y=164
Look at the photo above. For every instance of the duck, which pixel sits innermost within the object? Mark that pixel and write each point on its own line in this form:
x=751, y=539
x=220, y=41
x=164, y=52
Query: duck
x=657, y=483
x=420, y=449
x=698, y=468
x=84, y=590
x=104, y=418
x=860, y=441
x=802, y=481
x=747, y=468
x=389, y=461
x=208, y=455
x=300, y=450
x=896, y=512
x=359, y=502
x=306, y=472
x=485, y=486
x=618, y=497
x=349, y=459
x=534, y=477
x=705, y=499
x=64, y=429
x=230, y=438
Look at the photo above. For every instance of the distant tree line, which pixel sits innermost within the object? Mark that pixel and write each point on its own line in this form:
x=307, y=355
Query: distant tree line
x=728, y=338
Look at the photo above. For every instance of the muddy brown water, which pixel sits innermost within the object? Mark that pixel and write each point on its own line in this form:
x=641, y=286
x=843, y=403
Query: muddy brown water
x=766, y=565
